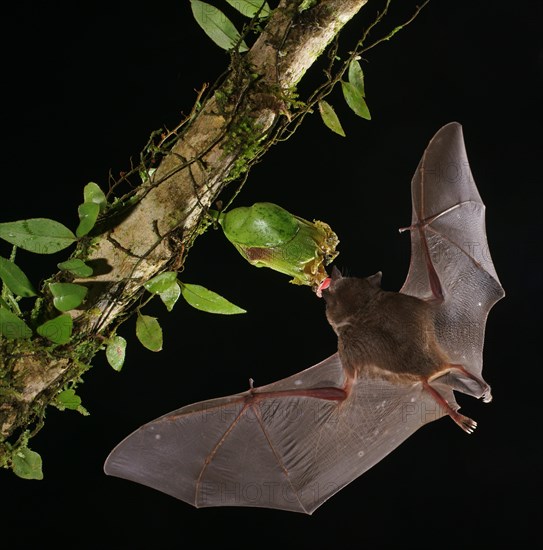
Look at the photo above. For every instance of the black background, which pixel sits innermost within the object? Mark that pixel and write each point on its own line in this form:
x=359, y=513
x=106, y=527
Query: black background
x=84, y=85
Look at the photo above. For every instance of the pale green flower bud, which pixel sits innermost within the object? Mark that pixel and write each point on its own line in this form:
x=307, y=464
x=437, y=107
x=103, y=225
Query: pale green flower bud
x=266, y=235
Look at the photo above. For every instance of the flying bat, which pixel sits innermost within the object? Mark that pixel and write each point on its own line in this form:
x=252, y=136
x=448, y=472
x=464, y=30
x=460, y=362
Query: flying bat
x=401, y=355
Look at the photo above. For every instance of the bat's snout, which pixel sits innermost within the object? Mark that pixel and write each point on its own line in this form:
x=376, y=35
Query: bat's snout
x=323, y=286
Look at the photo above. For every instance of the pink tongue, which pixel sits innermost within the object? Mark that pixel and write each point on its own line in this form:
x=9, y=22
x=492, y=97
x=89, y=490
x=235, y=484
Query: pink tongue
x=324, y=285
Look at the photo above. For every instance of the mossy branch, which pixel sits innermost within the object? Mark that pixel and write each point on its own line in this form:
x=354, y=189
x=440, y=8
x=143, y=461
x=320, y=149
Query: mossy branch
x=151, y=228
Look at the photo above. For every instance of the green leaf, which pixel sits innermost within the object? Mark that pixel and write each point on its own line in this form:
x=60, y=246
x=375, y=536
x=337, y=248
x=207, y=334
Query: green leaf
x=356, y=77
x=57, y=330
x=149, y=332
x=76, y=267
x=206, y=300
x=38, y=235
x=250, y=8
x=69, y=399
x=11, y=326
x=116, y=352
x=161, y=282
x=146, y=174
x=67, y=296
x=330, y=118
x=27, y=464
x=355, y=100
x=88, y=213
x=93, y=193
x=216, y=25
x=15, y=279
x=170, y=296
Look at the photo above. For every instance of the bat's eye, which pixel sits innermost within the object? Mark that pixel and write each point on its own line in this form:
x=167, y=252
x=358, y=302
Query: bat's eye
x=323, y=286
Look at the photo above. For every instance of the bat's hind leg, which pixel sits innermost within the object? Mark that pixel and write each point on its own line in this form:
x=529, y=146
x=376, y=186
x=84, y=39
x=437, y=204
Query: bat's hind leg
x=457, y=377
x=466, y=423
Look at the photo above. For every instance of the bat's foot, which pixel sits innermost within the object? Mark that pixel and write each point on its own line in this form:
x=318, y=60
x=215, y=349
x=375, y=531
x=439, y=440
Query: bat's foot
x=466, y=423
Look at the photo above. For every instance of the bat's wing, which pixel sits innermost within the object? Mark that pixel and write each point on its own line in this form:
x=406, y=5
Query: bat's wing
x=294, y=443
x=450, y=259
x=289, y=445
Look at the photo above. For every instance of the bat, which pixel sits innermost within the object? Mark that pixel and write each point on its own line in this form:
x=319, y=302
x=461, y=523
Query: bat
x=294, y=443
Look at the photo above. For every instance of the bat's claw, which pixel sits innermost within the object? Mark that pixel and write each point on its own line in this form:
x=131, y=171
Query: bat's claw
x=487, y=396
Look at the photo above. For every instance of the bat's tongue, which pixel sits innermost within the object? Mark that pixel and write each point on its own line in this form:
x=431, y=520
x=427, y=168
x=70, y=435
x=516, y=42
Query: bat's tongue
x=323, y=286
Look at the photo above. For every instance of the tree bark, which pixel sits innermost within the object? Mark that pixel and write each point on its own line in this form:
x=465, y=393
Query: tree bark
x=191, y=177
x=165, y=215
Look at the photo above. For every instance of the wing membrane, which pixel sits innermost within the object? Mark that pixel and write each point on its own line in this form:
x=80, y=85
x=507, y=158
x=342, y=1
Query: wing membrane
x=273, y=447
x=450, y=259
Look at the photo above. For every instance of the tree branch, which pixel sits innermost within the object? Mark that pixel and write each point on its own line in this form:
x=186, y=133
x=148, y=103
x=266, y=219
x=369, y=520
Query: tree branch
x=231, y=129
x=153, y=230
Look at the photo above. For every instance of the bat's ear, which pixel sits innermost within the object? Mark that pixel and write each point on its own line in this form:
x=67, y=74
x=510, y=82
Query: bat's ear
x=375, y=280
x=336, y=274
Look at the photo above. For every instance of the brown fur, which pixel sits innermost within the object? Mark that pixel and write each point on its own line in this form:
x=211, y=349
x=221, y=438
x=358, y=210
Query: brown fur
x=388, y=330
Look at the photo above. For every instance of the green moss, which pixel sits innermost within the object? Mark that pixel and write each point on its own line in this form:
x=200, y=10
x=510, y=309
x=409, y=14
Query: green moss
x=28, y=418
x=244, y=141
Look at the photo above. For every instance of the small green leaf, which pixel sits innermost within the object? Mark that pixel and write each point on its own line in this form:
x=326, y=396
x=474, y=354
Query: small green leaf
x=57, y=330
x=146, y=174
x=161, y=282
x=93, y=193
x=27, y=464
x=149, y=332
x=38, y=235
x=201, y=298
x=116, y=352
x=330, y=118
x=69, y=399
x=11, y=326
x=250, y=8
x=67, y=296
x=170, y=296
x=15, y=279
x=216, y=25
x=88, y=213
x=76, y=267
x=355, y=100
x=356, y=76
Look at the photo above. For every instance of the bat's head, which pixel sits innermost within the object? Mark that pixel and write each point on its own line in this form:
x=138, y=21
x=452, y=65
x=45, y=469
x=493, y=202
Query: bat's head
x=346, y=296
